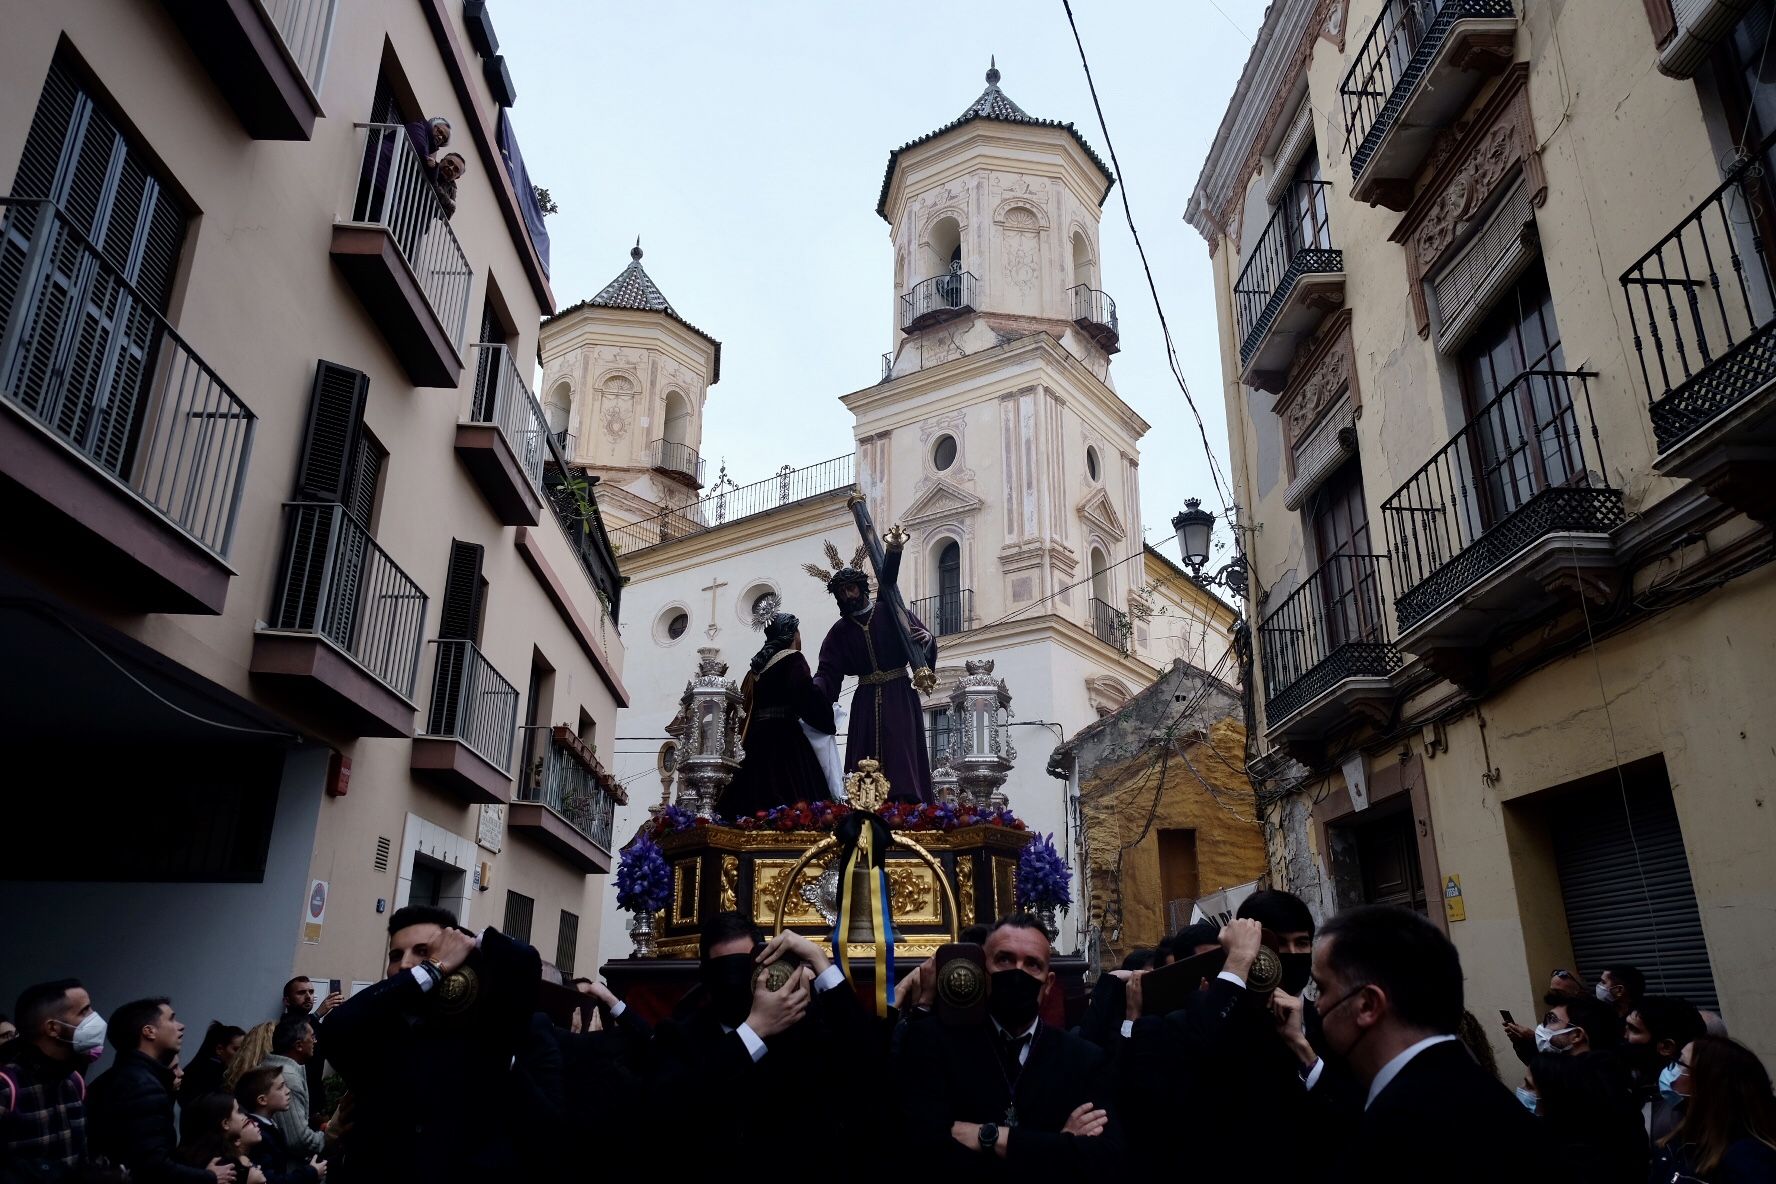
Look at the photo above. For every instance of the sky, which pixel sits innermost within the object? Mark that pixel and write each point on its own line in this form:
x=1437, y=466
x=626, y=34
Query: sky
x=745, y=142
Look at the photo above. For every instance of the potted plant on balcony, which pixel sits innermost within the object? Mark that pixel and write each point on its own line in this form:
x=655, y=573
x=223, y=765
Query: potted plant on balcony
x=1042, y=882
x=644, y=885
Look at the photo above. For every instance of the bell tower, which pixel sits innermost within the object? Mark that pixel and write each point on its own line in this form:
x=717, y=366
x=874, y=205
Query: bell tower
x=994, y=221
x=625, y=379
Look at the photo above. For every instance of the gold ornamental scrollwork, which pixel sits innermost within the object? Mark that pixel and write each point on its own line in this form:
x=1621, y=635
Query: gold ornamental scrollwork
x=912, y=894
x=777, y=883
x=730, y=883
x=965, y=884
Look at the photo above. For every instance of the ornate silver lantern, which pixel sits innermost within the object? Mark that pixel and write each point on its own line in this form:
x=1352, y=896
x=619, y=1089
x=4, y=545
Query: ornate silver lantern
x=943, y=779
x=709, y=751
x=980, y=738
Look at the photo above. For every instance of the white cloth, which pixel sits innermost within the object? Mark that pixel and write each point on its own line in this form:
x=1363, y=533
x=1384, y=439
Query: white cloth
x=826, y=751
x=1392, y=1069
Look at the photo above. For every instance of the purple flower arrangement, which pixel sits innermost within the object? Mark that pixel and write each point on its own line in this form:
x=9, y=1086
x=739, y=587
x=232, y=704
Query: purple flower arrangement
x=1042, y=876
x=673, y=819
x=644, y=882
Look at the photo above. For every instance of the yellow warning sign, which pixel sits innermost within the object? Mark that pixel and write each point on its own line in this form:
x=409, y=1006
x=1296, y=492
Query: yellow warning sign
x=1454, y=908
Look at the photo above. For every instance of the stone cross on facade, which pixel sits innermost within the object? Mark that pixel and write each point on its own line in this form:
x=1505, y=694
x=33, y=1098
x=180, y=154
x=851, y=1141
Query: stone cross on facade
x=714, y=589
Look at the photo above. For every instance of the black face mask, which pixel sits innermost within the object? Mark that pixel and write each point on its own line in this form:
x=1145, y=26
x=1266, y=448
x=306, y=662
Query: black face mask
x=1013, y=999
x=728, y=979
x=1297, y=969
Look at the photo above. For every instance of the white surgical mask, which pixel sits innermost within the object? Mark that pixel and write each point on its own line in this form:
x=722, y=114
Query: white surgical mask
x=1528, y=1098
x=88, y=1035
x=1545, y=1038
x=1668, y=1083
x=1603, y=994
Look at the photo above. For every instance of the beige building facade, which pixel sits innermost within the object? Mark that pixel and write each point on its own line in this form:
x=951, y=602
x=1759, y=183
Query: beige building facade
x=1495, y=311
x=303, y=619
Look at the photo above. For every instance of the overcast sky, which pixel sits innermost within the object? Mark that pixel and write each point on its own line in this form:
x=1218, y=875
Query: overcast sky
x=745, y=144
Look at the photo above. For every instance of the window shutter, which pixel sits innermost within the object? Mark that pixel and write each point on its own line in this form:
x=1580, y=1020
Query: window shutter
x=335, y=424
x=366, y=473
x=461, y=616
x=1662, y=19
x=567, y=940
x=519, y=908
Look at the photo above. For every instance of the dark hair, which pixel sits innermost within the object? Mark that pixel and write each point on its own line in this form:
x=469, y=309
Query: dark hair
x=1730, y=1099
x=1203, y=933
x=289, y=1033
x=1022, y=921
x=302, y=978
x=421, y=914
x=200, y=1129
x=218, y=1033
x=725, y=927
x=39, y=1001
x=126, y=1023
x=1277, y=911
x=975, y=934
x=1632, y=980
x=1669, y=1018
x=1584, y=1095
x=1603, y=1026
x=1473, y=1038
x=1403, y=954
x=254, y=1082
x=1138, y=959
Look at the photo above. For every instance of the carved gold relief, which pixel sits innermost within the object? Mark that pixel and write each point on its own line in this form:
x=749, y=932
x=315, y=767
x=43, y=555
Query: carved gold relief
x=730, y=883
x=684, y=892
x=912, y=894
x=767, y=890
x=965, y=887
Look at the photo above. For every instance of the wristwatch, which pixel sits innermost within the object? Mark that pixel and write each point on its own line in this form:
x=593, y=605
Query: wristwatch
x=433, y=969
x=989, y=1137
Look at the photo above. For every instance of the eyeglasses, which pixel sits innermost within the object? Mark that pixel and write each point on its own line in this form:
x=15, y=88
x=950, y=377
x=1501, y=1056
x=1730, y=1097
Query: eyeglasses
x=1566, y=974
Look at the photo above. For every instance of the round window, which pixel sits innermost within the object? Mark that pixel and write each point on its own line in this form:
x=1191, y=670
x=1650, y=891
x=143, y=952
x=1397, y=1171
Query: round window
x=676, y=624
x=944, y=455
x=1091, y=462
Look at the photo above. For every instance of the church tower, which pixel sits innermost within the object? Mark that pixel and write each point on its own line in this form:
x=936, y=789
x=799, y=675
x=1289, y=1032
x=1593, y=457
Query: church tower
x=995, y=434
x=625, y=378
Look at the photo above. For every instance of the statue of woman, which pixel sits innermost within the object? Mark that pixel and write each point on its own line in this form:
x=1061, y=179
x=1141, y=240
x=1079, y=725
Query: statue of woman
x=785, y=713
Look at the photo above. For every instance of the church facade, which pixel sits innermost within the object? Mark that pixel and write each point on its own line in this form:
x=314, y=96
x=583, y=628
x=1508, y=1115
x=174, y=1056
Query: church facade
x=995, y=437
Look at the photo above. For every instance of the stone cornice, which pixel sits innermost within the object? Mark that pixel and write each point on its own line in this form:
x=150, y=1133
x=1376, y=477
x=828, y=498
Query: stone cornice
x=586, y=325
x=999, y=147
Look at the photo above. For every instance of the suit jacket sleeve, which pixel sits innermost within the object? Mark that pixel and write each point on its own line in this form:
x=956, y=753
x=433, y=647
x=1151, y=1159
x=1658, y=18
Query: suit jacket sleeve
x=354, y=1028
x=923, y=1082
x=1054, y=1152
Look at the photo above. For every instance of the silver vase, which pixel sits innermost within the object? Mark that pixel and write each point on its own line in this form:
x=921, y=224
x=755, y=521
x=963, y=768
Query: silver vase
x=1045, y=913
x=641, y=931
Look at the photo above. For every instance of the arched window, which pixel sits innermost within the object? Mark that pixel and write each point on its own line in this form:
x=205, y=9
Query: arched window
x=1085, y=268
x=678, y=419
x=558, y=410
x=943, y=257
x=949, y=588
x=1100, y=568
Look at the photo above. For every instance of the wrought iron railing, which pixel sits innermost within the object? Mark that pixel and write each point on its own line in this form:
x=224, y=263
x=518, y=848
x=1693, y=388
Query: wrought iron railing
x=471, y=702
x=1335, y=626
x=947, y=612
x=1703, y=304
x=504, y=399
x=674, y=457
x=1093, y=306
x=887, y=365
x=306, y=27
x=1296, y=241
x=1516, y=472
x=730, y=503
x=558, y=780
x=1111, y=626
x=97, y=366
x=1393, y=57
x=336, y=582
x=395, y=191
x=952, y=291
x=570, y=496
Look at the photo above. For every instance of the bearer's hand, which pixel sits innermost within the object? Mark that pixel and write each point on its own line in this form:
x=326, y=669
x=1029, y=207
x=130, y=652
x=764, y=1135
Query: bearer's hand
x=319, y=1165
x=599, y=992
x=451, y=949
x=1241, y=938
x=1132, y=993
x=1086, y=1121
x=918, y=989
x=1289, y=1014
x=782, y=1009
x=794, y=943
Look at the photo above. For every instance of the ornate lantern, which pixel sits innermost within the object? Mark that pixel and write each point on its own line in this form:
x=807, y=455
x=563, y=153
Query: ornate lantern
x=980, y=737
x=943, y=779
x=709, y=751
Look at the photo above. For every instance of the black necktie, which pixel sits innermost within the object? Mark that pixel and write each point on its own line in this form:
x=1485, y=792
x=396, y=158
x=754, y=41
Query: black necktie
x=1009, y=1049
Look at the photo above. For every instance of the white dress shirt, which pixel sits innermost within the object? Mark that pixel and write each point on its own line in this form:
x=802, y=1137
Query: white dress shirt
x=1028, y=1036
x=829, y=978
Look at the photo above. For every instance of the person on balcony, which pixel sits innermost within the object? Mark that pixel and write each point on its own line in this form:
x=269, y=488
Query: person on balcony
x=785, y=716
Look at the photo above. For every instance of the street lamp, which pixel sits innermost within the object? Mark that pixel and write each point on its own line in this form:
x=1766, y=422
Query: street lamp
x=1194, y=527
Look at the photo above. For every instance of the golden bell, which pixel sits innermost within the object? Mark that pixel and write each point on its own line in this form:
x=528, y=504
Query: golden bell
x=863, y=929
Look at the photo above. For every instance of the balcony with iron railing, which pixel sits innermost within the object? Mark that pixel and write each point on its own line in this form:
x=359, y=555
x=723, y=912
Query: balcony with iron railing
x=1514, y=508
x=395, y=246
x=947, y=612
x=346, y=626
x=676, y=460
x=575, y=506
x=471, y=726
x=1095, y=314
x=265, y=56
x=1293, y=280
x=125, y=453
x=1326, y=650
x=565, y=800
x=1702, y=304
x=1108, y=625
x=936, y=300
x=730, y=503
x=1413, y=76
x=502, y=442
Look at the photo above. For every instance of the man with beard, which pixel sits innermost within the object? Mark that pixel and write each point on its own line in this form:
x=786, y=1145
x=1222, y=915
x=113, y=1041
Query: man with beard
x=887, y=724
x=1012, y=1096
x=425, y=1049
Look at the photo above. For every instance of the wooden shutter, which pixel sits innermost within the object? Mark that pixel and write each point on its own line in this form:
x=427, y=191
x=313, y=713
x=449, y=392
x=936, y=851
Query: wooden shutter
x=461, y=616
x=335, y=425
x=519, y=909
x=567, y=940
x=366, y=475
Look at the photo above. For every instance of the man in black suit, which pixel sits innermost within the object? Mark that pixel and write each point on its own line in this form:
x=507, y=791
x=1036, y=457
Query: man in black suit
x=1011, y=1095
x=427, y=1052
x=1390, y=1003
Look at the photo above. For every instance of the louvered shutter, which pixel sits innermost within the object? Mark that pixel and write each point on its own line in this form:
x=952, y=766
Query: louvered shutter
x=330, y=442
x=458, y=622
x=323, y=469
x=567, y=941
x=366, y=475
x=1627, y=889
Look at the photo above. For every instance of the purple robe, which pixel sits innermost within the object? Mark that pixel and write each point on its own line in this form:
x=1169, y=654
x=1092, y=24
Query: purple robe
x=886, y=721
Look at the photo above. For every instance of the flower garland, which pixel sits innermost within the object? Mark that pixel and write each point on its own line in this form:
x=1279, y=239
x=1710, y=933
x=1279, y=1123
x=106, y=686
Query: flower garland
x=644, y=882
x=824, y=815
x=1042, y=876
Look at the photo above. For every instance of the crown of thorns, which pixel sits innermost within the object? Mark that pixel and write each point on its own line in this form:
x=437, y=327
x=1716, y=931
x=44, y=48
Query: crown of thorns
x=840, y=573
